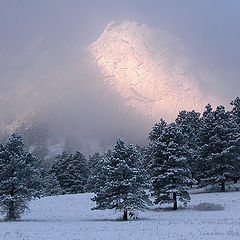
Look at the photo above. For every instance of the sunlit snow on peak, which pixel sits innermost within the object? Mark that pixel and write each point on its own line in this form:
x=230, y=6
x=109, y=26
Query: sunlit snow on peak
x=149, y=67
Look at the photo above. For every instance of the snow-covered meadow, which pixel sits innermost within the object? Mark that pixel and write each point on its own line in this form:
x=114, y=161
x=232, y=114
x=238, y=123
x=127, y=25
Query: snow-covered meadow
x=70, y=217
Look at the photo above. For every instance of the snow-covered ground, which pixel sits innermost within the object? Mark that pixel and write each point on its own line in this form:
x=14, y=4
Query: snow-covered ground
x=70, y=217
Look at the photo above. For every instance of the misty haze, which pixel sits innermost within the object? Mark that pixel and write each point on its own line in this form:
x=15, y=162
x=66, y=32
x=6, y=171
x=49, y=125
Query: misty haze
x=84, y=83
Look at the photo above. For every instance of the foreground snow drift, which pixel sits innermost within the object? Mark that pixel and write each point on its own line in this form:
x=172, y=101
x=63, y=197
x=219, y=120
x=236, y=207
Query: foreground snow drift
x=70, y=217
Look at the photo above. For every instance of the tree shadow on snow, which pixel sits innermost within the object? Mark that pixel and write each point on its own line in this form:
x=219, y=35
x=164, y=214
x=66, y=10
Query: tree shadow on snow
x=71, y=220
x=113, y=220
x=205, y=206
x=168, y=209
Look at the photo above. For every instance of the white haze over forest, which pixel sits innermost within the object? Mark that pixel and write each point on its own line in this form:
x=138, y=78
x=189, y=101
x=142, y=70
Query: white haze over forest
x=67, y=93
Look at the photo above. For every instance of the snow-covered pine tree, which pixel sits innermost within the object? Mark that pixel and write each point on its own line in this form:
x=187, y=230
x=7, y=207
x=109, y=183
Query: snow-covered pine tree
x=20, y=177
x=152, y=152
x=157, y=130
x=98, y=179
x=125, y=182
x=51, y=185
x=202, y=142
x=218, y=146
x=71, y=171
x=170, y=172
x=59, y=167
x=95, y=163
x=189, y=123
x=236, y=109
x=235, y=114
x=76, y=174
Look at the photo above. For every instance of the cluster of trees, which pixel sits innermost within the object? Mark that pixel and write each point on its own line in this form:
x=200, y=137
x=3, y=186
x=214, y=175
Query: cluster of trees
x=23, y=177
x=194, y=149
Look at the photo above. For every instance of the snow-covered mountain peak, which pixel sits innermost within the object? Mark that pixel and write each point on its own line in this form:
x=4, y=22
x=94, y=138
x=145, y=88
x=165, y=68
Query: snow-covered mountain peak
x=148, y=67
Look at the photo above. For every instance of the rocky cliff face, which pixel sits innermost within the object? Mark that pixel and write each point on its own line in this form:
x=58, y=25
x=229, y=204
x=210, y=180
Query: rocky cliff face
x=148, y=67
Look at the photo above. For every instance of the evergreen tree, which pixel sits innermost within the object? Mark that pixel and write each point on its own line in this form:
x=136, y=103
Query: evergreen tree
x=189, y=123
x=59, y=167
x=125, y=182
x=218, y=144
x=152, y=151
x=171, y=175
x=20, y=177
x=157, y=130
x=52, y=186
x=97, y=179
x=236, y=109
x=235, y=113
x=71, y=172
x=76, y=174
x=95, y=164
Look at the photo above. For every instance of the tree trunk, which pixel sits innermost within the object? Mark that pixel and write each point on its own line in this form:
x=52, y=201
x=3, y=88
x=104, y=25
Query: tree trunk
x=11, y=212
x=223, y=186
x=125, y=218
x=11, y=215
x=174, y=201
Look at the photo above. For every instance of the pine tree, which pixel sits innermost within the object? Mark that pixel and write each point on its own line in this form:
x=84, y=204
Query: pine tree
x=95, y=164
x=59, y=167
x=76, y=174
x=171, y=175
x=20, y=177
x=125, y=182
x=189, y=123
x=71, y=172
x=235, y=114
x=152, y=152
x=157, y=130
x=218, y=144
x=51, y=185
x=236, y=109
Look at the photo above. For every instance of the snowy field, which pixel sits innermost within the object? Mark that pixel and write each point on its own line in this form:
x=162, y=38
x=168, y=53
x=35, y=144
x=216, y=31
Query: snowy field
x=69, y=218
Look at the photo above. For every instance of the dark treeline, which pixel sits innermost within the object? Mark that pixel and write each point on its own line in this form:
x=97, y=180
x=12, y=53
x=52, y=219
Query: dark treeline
x=196, y=149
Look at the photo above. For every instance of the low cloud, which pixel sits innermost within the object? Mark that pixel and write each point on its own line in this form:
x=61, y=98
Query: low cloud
x=65, y=92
